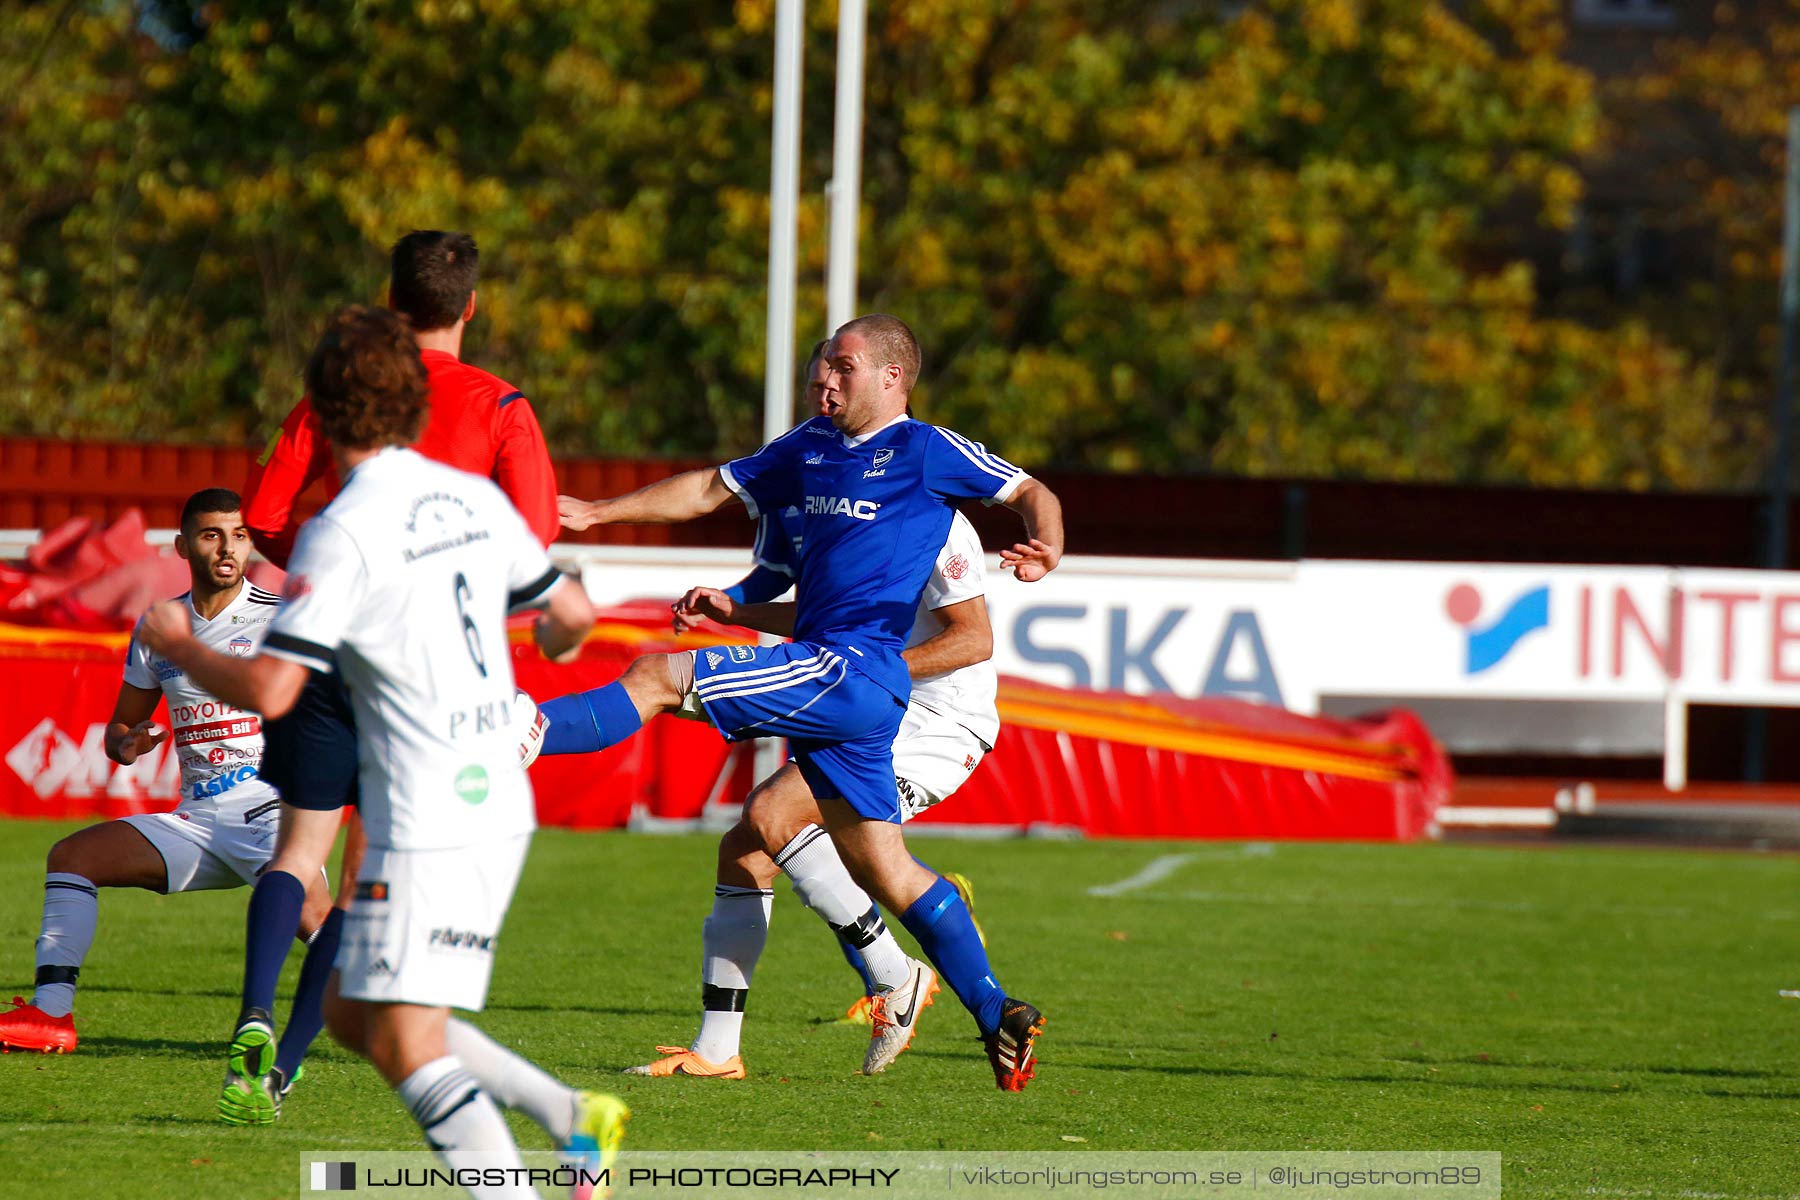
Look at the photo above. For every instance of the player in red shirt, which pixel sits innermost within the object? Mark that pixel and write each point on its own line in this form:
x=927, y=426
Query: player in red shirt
x=477, y=422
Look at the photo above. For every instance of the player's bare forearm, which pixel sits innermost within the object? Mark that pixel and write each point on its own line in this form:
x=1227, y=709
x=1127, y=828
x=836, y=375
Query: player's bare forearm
x=668, y=501
x=967, y=638
x=258, y=684
x=564, y=626
x=130, y=732
x=1042, y=512
x=1038, y=555
x=774, y=616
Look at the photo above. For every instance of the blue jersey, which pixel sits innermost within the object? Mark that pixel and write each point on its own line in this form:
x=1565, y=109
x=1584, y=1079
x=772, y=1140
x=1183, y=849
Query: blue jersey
x=873, y=514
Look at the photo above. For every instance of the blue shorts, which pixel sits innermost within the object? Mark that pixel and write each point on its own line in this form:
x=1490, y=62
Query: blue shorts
x=839, y=723
x=309, y=755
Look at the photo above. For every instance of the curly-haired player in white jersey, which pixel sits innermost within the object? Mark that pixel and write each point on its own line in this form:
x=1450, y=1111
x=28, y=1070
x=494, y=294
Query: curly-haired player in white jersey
x=402, y=584
x=221, y=833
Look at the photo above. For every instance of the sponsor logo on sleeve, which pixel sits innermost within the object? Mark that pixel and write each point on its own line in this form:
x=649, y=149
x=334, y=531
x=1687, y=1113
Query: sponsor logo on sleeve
x=742, y=654
x=714, y=659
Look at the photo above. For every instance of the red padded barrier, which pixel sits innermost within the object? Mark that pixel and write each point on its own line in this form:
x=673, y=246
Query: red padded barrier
x=1107, y=765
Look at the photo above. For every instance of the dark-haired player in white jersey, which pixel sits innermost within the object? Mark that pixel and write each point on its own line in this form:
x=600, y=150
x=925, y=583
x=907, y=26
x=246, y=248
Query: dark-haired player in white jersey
x=221, y=833
x=402, y=584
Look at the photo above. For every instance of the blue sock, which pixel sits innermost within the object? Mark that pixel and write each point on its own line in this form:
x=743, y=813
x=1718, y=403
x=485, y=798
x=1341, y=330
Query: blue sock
x=854, y=957
x=940, y=922
x=272, y=922
x=583, y=722
x=308, y=1014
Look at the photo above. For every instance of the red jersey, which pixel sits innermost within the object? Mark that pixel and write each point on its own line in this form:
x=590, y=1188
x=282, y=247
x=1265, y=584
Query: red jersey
x=478, y=423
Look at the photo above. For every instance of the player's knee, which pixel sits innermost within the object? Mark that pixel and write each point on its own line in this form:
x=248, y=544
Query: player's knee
x=651, y=680
x=71, y=856
x=770, y=829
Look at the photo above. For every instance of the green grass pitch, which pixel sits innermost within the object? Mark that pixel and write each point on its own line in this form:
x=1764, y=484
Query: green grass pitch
x=1606, y=1018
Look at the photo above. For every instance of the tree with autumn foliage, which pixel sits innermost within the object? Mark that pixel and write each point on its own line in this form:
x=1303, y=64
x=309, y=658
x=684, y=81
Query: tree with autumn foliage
x=1130, y=236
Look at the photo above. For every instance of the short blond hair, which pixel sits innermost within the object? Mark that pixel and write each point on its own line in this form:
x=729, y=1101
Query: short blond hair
x=891, y=341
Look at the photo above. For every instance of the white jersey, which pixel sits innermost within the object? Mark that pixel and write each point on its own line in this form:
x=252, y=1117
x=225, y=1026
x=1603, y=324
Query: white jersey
x=965, y=695
x=403, y=583
x=220, y=748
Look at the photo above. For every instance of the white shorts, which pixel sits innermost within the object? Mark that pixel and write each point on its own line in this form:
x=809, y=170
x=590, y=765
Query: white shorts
x=933, y=756
x=208, y=847
x=424, y=924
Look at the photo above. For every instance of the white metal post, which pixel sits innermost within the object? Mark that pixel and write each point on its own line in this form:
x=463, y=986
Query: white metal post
x=1675, y=741
x=784, y=213
x=784, y=222
x=845, y=190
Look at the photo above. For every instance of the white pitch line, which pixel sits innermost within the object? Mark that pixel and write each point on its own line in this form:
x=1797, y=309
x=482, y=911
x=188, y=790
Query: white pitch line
x=1444, y=903
x=1155, y=872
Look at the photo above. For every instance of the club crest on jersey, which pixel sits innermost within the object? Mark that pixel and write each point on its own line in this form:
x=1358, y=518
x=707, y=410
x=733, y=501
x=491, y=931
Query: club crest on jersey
x=883, y=457
x=241, y=646
x=957, y=567
x=742, y=654
x=841, y=506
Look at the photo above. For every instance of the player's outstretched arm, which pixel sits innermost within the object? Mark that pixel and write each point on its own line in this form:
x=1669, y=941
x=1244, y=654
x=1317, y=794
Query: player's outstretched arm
x=666, y=502
x=1038, y=555
x=259, y=684
x=131, y=732
x=568, y=615
x=967, y=638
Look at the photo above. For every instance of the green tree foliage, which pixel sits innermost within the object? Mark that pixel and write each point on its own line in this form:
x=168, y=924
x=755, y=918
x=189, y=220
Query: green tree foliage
x=1135, y=236
x=1723, y=100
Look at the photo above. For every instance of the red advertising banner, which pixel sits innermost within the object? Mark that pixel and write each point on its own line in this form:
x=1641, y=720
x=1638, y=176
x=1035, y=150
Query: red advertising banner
x=1099, y=763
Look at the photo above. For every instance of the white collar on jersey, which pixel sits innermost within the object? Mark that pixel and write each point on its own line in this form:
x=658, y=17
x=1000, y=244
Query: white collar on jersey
x=390, y=453
x=243, y=590
x=859, y=439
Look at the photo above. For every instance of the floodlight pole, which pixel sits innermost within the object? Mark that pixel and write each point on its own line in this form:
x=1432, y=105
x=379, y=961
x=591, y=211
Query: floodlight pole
x=1775, y=554
x=784, y=223
x=784, y=210
x=1775, y=549
x=845, y=189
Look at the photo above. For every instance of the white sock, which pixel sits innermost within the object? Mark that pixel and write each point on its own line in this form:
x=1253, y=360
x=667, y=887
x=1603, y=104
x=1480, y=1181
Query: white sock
x=513, y=1080
x=824, y=885
x=463, y=1125
x=71, y=911
x=732, y=939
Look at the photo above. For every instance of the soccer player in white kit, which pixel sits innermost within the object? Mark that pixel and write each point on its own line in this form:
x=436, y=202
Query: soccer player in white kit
x=403, y=583
x=221, y=833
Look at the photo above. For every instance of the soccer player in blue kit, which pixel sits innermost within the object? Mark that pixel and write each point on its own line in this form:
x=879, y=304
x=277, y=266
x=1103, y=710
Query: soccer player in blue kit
x=876, y=491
